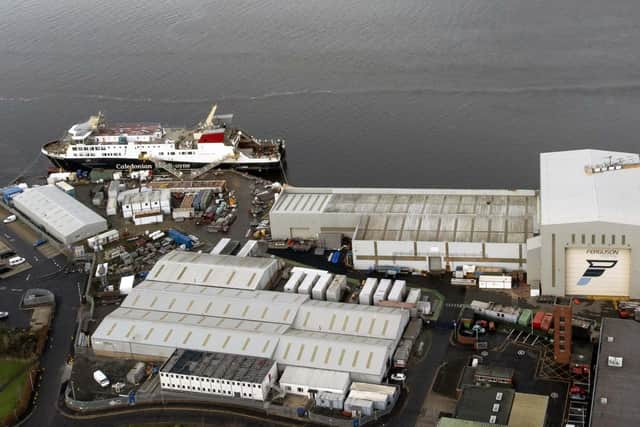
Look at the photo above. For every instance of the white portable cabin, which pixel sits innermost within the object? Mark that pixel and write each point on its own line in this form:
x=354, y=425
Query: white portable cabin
x=217, y=249
x=294, y=281
x=249, y=249
x=398, y=291
x=369, y=288
x=414, y=296
x=112, y=206
x=382, y=292
x=319, y=291
x=306, y=286
x=165, y=201
x=486, y=281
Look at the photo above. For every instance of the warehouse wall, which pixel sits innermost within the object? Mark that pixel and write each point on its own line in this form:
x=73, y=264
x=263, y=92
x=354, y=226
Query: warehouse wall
x=556, y=238
x=309, y=225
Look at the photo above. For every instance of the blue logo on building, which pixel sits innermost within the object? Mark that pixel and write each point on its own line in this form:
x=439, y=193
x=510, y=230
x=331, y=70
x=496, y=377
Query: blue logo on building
x=596, y=268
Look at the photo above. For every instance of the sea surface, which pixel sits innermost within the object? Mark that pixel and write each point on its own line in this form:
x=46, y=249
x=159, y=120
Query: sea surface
x=406, y=93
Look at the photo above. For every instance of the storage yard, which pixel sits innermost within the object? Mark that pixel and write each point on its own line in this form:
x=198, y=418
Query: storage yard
x=325, y=305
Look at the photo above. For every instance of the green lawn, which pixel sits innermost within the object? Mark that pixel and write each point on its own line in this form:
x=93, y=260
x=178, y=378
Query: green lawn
x=14, y=371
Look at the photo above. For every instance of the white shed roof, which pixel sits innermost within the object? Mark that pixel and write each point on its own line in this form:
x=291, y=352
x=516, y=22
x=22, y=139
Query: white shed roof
x=261, y=306
x=569, y=195
x=318, y=379
x=57, y=210
x=191, y=332
x=214, y=270
x=357, y=355
x=351, y=319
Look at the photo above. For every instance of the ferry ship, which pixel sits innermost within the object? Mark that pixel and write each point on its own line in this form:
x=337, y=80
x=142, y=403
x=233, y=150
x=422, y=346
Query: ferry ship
x=95, y=144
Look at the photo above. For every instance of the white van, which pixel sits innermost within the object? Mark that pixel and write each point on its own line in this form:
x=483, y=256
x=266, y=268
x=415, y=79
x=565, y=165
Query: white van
x=101, y=378
x=9, y=219
x=16, y=260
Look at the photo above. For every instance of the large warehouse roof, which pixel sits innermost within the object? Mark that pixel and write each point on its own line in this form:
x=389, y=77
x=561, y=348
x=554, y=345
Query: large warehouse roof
x=214, y=270
x=569, y=194
x=351, y=319
x=171, y=330
x=356, y=355
x=501, y=216
x=59, y=213
x=262, y=306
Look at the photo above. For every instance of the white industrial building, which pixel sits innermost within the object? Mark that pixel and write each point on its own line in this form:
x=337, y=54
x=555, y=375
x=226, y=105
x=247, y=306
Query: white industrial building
x=60, y=215
x=223, y=374
x=590, y=201
x=305, y=382
x=417, y=229
x=224, y=271
x=176, y=308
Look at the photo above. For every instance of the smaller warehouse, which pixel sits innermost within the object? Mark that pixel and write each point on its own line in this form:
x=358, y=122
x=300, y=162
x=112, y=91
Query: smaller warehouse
x=246, y=377
x=311, y=382
x=60, y=215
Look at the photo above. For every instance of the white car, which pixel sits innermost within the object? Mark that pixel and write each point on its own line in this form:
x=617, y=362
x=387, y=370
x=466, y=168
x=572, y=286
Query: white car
x=9, y=219
x=4, y=315
x=101, y=378
x=16, y=260
x=398, y=376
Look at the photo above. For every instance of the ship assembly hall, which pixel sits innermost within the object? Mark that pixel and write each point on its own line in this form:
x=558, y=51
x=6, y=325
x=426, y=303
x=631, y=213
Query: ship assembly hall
x=574, y=236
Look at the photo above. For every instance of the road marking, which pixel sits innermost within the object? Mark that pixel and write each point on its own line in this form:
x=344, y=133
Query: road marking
x=3, y=288
x=28, y=276
x=453, y=305
x=16, y=290
x=35, y=258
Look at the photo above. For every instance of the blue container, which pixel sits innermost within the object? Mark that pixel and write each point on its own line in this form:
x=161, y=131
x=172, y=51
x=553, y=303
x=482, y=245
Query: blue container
x=180, y=238
x=8, y=193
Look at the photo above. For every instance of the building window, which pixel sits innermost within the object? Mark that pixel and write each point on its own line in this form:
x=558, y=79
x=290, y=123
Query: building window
x=624, y=239
x=593, y=239
x=613, y=239
x=603, y=239
x=573, y=239
x=300, y=389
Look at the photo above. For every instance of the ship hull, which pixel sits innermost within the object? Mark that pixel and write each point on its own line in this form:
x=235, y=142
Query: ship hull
x=136, y=164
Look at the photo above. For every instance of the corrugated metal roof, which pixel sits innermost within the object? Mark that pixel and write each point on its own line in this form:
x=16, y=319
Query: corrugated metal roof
x=209, y=301
x=569, y=195
x=191, y=332
x=57, y=210
x=214, y=270
x=351, y=319
x=356, y=355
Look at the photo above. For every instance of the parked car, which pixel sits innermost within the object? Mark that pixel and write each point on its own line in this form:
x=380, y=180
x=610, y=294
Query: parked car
x=39, y=242
x=576, y=389
x=492, y=326
x=4, y=315
x=9, y=219
x=580, y=397
x=16, y=260
x=398, y=376
x=101, y=378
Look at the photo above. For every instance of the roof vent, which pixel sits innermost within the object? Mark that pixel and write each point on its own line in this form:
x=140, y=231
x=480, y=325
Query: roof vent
x=603, y=400
x=614, y=362
x=496, y=407
x=499, y=396
x=609, y=339
x=492, y=419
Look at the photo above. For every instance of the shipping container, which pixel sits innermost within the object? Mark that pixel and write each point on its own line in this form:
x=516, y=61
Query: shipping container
x=319, y=291
x=524, y=319
x=412, y=332
x=180, y=238
x=398, y=290
x=486, y=281
x=249, y=249
x=8, y=193
x=294, y=281
x=367, y=291
x=414, y=296
x=546, y=323
x=217, y=249
x=64, y=186
x=537, y=320
x=336, y=288
x=383, y=291
x=306, y=286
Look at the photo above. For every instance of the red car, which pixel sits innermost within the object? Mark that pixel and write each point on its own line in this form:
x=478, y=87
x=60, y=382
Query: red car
x=576, y=389
x=625, y=314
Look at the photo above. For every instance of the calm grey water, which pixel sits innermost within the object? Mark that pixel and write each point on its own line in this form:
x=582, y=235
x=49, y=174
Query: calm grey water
x=436, y=93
